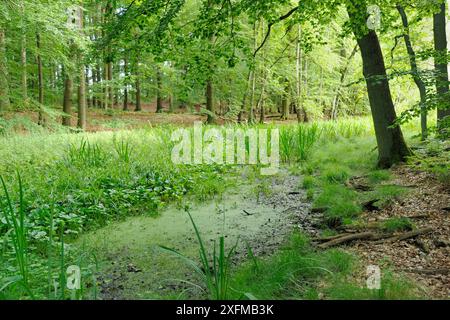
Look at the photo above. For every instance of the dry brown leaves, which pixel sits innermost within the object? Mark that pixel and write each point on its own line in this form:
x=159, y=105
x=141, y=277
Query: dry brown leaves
x=427, y=252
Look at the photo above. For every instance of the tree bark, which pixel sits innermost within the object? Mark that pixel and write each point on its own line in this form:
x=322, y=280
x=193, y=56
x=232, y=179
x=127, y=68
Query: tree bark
x=4, y=85
x=159, y=105
x=125, y=91
x=391, y=144
x=210, y=100
x=109, y=66
x=299, y=109
x=81, y=83
x=442, y=80
x=67, y=104
x=415, y=71
x=138, y=89
x=285, y=102
x=41, y=120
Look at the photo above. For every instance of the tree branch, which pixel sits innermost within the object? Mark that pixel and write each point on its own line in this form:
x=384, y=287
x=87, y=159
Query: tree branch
x=269, y=28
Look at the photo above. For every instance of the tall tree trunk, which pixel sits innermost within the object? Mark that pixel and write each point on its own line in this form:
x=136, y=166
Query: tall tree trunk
x=4, y=85
x=284, y=101
x=100, y=94
x=415, y=71
x=105, y=102
x=299, y=109
x=159, y=105
x=251, y=115
x=41, y=120
x=138, y=89
x=109, y=87
x=210, y=100
x=81, y=82
x=81, y=99
x=89, y=97
x=391, y=144
x=23, y=59
x=125, y=91
x=440, y=62
x=67, y=103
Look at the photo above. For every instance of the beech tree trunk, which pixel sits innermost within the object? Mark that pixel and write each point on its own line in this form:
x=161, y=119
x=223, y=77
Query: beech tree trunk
x=159, y=105
x=41, y=120
x=125, y=91
x=391, y=144
x=210, y=100
x=415, y=72
x=67, y=104
x=81, y=84
x=440, y=62
x=138, y=89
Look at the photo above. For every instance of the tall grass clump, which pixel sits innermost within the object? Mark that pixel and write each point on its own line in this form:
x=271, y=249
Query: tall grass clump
x=15, y=221
x=86, y=153
x=296, y=142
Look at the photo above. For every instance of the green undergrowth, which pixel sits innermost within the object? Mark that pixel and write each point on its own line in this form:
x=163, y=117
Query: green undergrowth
x=297, y=271
x=329, y=173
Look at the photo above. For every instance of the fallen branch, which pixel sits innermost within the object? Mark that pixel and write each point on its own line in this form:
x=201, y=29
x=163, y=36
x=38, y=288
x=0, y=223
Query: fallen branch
x=347, y=238
x=329, y=238
x=407, y=235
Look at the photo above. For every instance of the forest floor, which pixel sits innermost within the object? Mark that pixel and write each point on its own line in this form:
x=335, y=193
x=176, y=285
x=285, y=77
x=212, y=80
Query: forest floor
x=425, y=259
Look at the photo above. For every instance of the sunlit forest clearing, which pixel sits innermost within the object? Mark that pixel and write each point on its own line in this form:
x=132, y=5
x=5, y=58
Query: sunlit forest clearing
x=119, y=179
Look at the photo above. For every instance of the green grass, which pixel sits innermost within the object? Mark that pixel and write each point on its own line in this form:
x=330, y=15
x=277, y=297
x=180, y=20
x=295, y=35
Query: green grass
x=299, y=272
x=387, y=194
x=397, y=224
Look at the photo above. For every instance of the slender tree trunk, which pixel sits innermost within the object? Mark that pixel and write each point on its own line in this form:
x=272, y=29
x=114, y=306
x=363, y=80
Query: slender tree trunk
x=415, y=71
x=105, y=102
x=210, y=100
x=125, y=91
x=138, y=89
x=391, y=144
x=89, y=97
x=67, y=104
x=159, y=105
x=109, y=87
x=4, y=86
x=284, y=102
x=24, y=82
x=82, y=99
x=299, y=109
x=440, y=62
x=251, y=115
x=41, y=120
x=100, y=95
x=81, y=82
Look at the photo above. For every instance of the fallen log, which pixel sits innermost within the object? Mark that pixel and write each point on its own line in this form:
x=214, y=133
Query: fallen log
x=347, y=238
x=406, y=235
